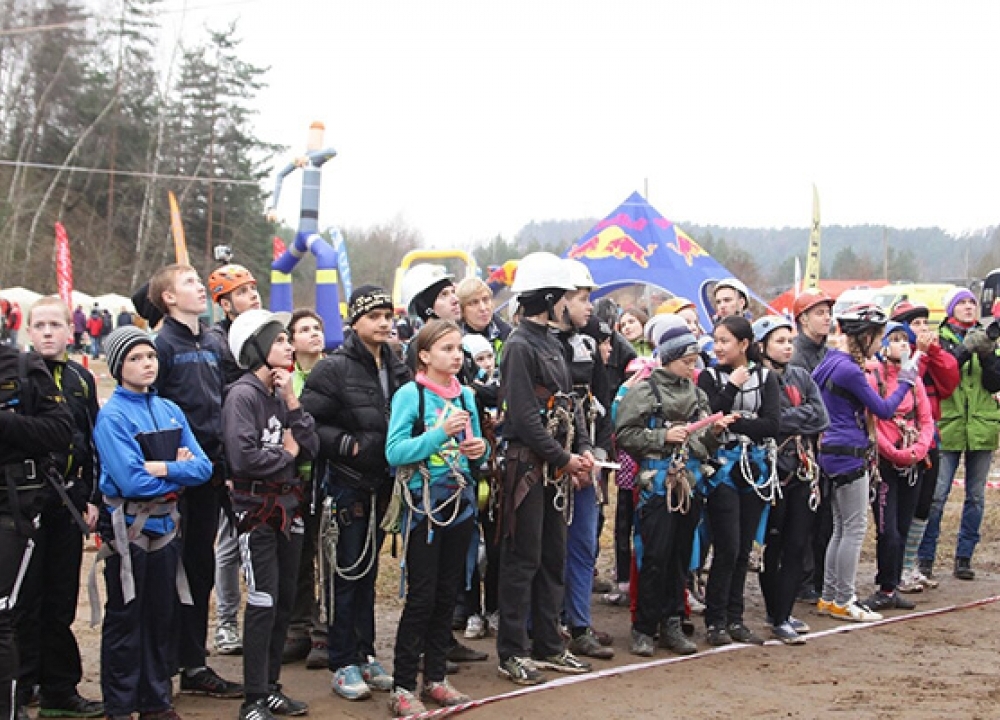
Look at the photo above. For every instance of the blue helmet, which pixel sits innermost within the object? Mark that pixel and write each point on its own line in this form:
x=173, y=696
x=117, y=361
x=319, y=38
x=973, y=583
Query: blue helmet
x=894, y=326
x=768, y=324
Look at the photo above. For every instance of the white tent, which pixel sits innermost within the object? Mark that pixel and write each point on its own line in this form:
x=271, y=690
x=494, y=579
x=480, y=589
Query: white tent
x=22, y=296
x=114, y=302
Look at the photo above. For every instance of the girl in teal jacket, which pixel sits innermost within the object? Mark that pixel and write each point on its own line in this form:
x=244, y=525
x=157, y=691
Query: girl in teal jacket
x=433, y=424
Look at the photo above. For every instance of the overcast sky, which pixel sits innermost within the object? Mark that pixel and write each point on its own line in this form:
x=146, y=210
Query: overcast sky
x=470, y=118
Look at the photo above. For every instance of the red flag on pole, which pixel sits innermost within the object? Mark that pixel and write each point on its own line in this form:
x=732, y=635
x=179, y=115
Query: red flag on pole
x=64, y=266
x=277, y=247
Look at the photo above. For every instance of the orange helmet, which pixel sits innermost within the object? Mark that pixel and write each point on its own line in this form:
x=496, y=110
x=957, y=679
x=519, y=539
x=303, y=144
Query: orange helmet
x=674, y=305
x=227, y=278
x=808, y=299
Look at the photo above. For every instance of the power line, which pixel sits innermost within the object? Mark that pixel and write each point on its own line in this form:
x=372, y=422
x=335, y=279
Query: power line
x=129, y=173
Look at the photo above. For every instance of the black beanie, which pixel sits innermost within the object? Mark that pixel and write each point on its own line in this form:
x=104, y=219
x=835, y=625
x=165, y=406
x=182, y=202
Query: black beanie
x=365, y=299
x=258, y=346
x=422, y=303
x=538, y=301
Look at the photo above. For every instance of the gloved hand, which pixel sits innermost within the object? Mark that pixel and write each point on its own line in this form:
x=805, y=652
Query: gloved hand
x=908, y=376
x=978, y=341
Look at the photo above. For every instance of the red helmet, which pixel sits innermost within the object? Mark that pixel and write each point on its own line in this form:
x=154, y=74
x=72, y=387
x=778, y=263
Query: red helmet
x=227, y=278
x=808, y=299
x=906, y=311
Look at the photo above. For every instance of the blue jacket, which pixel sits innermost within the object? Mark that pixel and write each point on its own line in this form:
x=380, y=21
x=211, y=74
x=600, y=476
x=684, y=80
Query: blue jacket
x=191, y=376
x=433, y=445
x=847, y=395
x=123, y=473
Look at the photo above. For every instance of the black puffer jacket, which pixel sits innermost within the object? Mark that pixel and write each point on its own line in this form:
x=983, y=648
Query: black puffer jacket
x=344, y=395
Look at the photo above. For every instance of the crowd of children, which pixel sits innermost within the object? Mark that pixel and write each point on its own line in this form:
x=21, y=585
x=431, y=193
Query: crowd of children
x=492, y=452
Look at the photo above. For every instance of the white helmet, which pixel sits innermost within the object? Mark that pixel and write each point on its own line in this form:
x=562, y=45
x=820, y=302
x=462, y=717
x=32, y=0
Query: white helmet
x=580, y=275
x=659, y=324
x=419, y=278
x=539, y=270
x=474, y=344
x=252, y=324
x=735, y=285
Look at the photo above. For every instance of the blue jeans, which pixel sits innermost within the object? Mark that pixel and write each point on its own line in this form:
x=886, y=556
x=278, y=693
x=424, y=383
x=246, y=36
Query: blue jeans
x=977, y=471
x=581, y=551
x=352, y=635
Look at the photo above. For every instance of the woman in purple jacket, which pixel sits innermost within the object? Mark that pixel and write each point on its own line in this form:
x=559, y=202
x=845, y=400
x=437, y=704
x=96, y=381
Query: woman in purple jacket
x=847, y=454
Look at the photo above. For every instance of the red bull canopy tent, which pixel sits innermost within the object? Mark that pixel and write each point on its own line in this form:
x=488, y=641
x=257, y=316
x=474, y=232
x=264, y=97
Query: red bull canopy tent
x=636, y=245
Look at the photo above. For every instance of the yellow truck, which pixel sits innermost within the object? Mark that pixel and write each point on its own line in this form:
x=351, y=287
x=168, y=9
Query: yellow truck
x=930, y=294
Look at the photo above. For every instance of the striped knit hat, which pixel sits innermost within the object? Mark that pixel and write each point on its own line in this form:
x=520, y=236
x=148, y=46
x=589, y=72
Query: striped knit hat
x=119, y=344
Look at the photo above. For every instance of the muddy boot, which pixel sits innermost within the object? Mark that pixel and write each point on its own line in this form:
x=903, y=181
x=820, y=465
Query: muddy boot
x=672, y=638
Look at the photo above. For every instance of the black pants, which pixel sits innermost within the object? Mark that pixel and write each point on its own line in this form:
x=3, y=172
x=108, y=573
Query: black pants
x=895, y=501
x=50, y=656
x=434, y=570
x=624, y=514
x=532, y=566
x=928, y=481
x=15, y=554
x=136, y=666
x=667, y=540
x=305, y=622
x=733, y=517
x=787, y=543
x=199, y=507
x=821, y=534
x=271, y=567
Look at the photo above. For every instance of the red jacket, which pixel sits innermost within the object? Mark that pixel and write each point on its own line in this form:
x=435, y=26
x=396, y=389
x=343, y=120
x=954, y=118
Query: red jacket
x=939, y=371
x=95, y=323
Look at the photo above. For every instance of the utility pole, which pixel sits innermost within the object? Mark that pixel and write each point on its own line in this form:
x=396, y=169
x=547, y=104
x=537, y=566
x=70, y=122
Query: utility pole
x=885, y=253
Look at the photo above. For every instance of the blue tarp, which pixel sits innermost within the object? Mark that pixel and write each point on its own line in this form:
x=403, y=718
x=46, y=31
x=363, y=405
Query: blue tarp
x=635, y=245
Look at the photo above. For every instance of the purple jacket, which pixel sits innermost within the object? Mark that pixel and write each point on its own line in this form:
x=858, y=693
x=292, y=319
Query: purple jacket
x=79, y=321
x=847, y=394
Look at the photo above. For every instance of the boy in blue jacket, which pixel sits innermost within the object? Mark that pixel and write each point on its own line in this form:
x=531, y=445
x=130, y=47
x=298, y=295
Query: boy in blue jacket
x=148, y=456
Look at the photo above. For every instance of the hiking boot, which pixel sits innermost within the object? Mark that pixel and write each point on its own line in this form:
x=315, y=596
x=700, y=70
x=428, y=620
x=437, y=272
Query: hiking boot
x=963, y=569
x=463, y=653
x=564, y=662
x=475, y=628
x=786, y=634
x=603, y=637
x=403, y=703
x=318, y=657
x=717, y=636
x=207, y=682
x=799, y=626
x=73, y=706
x=672, y=638
x=375, y=676
x=280, y=704
x=228, y=640
x=742, y=634
x=853, y=611
x=168, y=714
x=588, y=645
x=879, y=601
x=443, y=694
x=295, y=649
x=807, y=595
x=257, y=710
x=926, y=567
x=641, y=644
x=349, y=684
x=901, y=603
x=694, y=604
x=520, y=671
x=926, y=580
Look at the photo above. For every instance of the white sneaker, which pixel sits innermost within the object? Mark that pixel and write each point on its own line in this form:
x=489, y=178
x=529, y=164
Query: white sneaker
x=927, y=582
x=910, y=581
x=697, y=607
x=854, y=611
x=227, y=640
x=475, y=628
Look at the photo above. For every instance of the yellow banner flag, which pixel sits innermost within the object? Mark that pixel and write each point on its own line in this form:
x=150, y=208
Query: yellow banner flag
x=177, y=229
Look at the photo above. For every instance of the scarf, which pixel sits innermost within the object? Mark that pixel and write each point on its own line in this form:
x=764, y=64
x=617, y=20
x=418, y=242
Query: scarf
x=448, y=392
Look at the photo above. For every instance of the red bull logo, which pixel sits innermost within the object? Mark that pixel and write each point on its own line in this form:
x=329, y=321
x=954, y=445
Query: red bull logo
x=613, y=242
x=686, y=247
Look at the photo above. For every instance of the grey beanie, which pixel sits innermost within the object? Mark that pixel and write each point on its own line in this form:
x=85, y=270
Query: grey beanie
x=675, y=343
x=119, y=344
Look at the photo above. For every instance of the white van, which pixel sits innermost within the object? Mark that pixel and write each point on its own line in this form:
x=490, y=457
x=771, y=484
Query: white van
x=854, y=296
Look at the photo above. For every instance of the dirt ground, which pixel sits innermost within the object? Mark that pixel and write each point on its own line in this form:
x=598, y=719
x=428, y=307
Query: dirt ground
x=934, y=666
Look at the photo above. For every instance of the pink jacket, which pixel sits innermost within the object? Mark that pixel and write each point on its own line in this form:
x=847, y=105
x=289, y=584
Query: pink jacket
x=913, y=415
